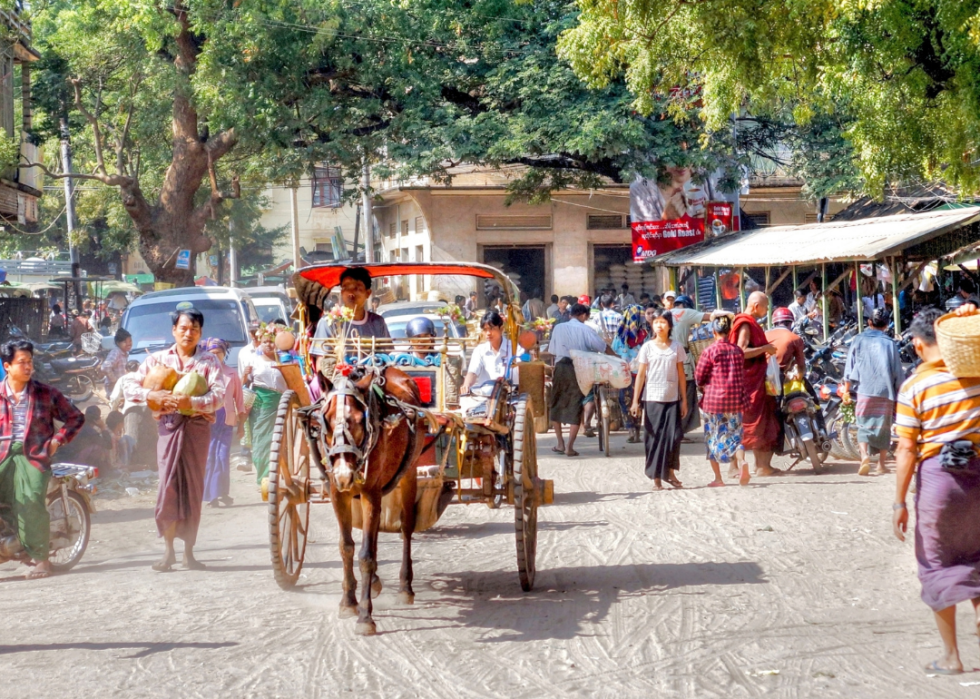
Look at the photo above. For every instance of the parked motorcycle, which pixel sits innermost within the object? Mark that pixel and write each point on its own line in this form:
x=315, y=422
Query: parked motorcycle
x=75, y=376
x=69, y=504
x=805, y=434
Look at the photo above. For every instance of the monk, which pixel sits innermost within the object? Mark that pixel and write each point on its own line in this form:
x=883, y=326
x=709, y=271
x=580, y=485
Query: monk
x=760, y=423
x=184, y=438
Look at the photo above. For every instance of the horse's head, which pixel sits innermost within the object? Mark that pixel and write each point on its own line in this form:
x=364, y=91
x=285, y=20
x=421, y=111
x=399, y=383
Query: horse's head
x=351, y=426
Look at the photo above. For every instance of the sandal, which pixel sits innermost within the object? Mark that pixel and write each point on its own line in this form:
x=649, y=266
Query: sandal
x=557, y=450
x=571, y=452
x=716, y=484
x=674, y=483
x=934, y=669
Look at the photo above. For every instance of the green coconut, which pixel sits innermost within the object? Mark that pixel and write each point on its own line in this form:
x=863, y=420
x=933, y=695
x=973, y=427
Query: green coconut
x=193, y=385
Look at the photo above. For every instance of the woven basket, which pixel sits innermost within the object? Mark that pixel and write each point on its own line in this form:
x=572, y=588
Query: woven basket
x=696, y=347
x=959, y=343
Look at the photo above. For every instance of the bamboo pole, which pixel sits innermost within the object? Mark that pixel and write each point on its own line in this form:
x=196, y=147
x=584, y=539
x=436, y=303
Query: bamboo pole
x=769, y=305
x=823, y=300
x=741, y=289
x=896, y=309
x=718, y=299
x=860, y=296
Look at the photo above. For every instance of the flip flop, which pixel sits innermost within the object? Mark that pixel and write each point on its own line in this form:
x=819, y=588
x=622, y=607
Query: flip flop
x=933, y=668
x=557, y=450
x=716, y=484
x=571, y=452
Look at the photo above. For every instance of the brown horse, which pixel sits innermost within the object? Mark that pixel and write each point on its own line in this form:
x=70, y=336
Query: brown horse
x=371, y=443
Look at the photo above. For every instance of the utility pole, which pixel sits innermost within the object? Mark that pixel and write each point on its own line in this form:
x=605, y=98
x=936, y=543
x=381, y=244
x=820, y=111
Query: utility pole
x=70, y=211
x=294, y=200
x=368, y=214
x=232, y=255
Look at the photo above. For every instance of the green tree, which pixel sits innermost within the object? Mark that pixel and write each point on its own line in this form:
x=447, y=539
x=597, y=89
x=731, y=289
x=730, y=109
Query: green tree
x=901, y=77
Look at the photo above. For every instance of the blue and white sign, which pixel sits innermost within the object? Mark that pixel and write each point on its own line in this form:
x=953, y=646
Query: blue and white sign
x=183, y=259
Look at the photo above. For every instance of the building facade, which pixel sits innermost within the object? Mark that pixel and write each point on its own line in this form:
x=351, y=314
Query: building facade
x=20, y=188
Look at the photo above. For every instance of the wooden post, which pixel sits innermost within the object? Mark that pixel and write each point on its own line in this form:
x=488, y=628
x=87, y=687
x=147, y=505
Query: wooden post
x=769, y=312
x=697, y=288
x=896, y=309
x=718, y=299
x=823, y=300
x=796, y=282
x=741, y=289
x=860, y=299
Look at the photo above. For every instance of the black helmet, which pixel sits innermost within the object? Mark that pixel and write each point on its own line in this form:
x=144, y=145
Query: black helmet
x=684, y=301
x=420, y=326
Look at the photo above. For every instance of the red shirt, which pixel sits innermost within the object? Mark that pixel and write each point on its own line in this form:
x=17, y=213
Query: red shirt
x=44, y=405
x=721, y=375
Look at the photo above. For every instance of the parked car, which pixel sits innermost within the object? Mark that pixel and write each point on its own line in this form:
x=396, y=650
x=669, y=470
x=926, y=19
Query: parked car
x=398, y=314
x=228, y=314
x=271, y=302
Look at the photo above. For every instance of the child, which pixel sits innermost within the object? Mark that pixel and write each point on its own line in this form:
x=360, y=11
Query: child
x=122, y=444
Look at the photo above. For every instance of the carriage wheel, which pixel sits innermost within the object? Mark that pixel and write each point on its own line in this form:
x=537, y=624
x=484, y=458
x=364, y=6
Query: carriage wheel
x=289, y=505
x=525, y=460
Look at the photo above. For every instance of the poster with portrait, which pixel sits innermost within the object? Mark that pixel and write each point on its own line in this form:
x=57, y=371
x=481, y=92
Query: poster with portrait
x=666, y=216
x=720, y=218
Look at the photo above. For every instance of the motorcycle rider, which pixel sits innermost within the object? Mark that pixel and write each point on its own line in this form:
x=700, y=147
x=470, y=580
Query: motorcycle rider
x=789, y=352
x=28, y=441
x=421, y=332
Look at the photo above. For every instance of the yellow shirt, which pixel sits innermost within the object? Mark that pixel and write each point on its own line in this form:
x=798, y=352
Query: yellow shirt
x=935, y=407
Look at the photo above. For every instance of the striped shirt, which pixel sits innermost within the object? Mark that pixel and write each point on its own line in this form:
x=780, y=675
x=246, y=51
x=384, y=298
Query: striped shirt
x=19, y=414
x=935, y=407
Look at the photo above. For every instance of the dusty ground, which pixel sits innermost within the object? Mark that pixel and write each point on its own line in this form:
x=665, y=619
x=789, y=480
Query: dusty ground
x=792, y=587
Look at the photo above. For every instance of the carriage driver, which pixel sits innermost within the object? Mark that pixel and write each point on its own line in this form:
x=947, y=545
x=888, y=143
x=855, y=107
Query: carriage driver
x=355, y=290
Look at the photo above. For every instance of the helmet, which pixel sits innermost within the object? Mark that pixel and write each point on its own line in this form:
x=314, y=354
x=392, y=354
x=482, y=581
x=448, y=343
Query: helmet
x=782, y=315
x=954, y=302
x=420, y=326
x=685, y=301
x=585, y=300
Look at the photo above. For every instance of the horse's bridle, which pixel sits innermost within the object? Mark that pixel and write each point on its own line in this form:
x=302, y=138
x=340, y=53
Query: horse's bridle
x=343, y=440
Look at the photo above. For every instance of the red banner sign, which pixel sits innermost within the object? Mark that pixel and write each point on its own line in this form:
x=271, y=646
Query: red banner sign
x=652, y=238
x=720, y=218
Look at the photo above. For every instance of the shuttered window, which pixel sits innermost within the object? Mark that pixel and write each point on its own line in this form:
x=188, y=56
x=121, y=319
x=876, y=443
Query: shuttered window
x=598, y=222
x=759, y=218
x=328, y=187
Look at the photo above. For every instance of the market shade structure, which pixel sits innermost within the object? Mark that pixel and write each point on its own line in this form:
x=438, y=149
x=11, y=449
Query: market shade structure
x=915, y=236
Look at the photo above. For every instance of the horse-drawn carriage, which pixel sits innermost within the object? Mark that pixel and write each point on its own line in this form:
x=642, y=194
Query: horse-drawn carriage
x=389, y=434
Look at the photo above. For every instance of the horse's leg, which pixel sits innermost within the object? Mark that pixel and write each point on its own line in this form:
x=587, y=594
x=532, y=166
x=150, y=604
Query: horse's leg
x=409, y=490
x=341, y=507
x=371, y=517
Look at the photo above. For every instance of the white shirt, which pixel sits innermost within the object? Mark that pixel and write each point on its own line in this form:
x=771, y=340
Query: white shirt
x=265, y=374
x=662, y=379
x=487, y=364
x=574, y=335
x=798, y=311
x=245, y=356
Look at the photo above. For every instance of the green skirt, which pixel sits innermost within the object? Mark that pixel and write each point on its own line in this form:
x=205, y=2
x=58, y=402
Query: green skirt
x=263, y=421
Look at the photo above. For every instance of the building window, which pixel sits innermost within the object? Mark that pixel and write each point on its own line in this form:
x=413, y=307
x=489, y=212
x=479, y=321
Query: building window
x=405, y=227
x=598, y=222
x=812, y=218
x=759, y=218
x=391, y=230
x=328, y=187
x=419, y=224
x=486, y=222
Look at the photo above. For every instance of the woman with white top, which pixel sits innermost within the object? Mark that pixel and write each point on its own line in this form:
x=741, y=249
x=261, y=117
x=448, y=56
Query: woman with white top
x=661, y=372
x=490, y=358
x=263, y=377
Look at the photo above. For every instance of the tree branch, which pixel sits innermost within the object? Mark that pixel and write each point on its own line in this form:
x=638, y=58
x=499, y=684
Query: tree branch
x=112, y=180
x=91, y=118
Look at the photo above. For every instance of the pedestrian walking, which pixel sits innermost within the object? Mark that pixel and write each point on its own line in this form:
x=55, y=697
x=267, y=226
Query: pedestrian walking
x=938, y=426
x=661, y=373
x=28, y=442
x=565, y=406
x=217, y=475
x=183, y=437
x=686, y=317
x=720, y=373
x=874, y=373
x=264, y=378
x=760, y=425
x=629, y=340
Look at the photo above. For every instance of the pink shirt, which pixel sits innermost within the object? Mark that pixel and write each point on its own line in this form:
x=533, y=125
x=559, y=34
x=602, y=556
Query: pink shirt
x=234, y=399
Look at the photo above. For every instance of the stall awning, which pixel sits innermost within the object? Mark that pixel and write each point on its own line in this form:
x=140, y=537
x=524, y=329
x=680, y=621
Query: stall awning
x=140, y=278
x=816, y=243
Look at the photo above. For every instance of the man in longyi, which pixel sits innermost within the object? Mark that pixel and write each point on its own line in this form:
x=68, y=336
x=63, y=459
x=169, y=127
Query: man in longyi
x=759, y=421
x=184, y=437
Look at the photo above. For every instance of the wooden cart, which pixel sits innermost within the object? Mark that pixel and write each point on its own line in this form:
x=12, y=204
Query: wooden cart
x=487, y=456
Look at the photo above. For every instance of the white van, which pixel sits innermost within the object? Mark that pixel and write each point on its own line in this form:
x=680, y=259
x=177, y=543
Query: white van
x=228, y=314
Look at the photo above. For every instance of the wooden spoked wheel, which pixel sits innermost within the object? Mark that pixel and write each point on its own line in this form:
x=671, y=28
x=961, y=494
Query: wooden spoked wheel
x=525, y=460
x=289, y=482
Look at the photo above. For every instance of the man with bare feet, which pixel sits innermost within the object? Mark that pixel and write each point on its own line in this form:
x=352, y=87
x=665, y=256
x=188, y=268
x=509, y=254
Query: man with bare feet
x=184, y=436
x=759, y=421
x=28, y=440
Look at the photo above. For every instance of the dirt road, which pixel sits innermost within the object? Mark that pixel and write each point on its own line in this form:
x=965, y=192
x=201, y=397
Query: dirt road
x=792, y=587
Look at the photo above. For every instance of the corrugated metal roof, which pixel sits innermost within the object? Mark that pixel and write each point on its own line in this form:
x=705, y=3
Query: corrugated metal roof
x=815, y=243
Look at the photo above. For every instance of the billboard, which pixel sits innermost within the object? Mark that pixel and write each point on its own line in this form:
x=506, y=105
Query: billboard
x=667, y=216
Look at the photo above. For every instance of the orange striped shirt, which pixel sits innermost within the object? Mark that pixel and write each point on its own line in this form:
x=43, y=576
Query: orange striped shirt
x=935, y=407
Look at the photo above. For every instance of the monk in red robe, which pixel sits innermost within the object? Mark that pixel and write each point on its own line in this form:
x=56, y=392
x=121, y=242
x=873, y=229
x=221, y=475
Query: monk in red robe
x=760, y=423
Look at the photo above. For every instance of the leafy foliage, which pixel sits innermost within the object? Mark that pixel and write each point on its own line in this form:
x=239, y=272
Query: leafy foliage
x=900, y=79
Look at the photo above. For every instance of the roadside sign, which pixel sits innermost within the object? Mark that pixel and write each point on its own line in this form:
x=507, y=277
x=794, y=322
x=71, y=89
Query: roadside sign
x=213, y=260
x=183, y=259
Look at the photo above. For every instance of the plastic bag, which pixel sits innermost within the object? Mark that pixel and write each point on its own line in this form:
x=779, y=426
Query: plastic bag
x=592, y=368
x=773, y=377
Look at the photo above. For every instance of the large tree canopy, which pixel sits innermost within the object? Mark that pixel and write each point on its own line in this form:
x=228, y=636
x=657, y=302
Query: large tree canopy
x=175, y=104
x=901, y=76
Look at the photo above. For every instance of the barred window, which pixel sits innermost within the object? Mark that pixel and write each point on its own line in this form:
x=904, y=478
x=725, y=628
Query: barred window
x=328, y=187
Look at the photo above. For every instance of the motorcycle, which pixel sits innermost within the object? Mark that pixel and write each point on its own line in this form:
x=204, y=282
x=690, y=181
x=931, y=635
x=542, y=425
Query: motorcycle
x=805, y=434
x=69, y=505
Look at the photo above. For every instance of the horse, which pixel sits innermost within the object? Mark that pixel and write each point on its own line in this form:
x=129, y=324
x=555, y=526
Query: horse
x=371, y=437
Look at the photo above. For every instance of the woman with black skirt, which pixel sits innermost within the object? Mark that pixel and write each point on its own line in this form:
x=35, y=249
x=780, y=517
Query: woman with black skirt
x=661, y=372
